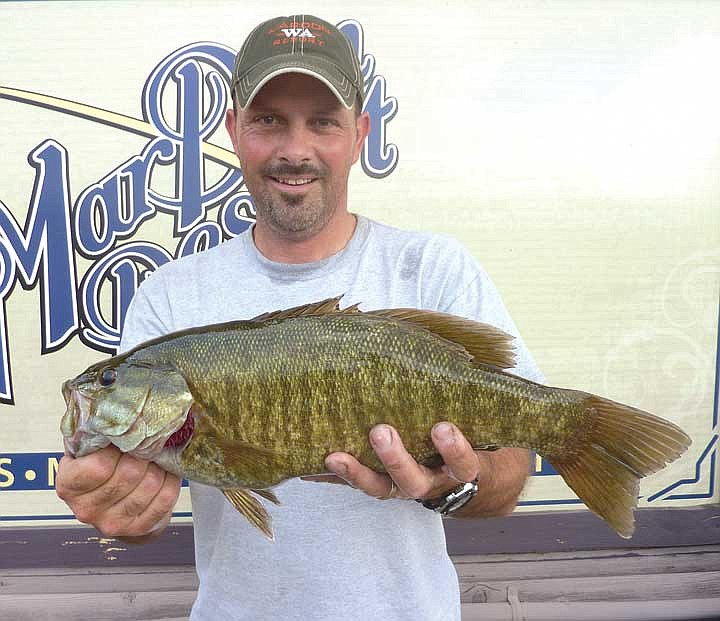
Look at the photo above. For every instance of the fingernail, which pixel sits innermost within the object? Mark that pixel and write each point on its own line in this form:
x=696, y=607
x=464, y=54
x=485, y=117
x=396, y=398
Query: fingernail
x=381, y=436
x=338, y=467
x=444, y=433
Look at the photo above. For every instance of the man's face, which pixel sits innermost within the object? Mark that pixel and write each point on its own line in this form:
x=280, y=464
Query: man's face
x=296, y=144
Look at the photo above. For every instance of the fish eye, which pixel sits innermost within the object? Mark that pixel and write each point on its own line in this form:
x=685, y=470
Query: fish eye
x=107, y=377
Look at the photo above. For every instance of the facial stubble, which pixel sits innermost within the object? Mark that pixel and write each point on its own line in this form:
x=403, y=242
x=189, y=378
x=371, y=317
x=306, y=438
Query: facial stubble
x=297, y=216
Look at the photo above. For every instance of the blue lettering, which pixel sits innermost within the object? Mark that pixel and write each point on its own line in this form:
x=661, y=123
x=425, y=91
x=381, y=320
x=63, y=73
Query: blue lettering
x=192, y=199
x=113, y=209
x=378, y=158
x=205, y=235
x=123, y=268
x=7, y=279
x=238, y=214
x=116, y=206
x=45, y=241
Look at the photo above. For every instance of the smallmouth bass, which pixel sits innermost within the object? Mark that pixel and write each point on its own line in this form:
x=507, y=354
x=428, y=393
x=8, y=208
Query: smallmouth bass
x=245, y=405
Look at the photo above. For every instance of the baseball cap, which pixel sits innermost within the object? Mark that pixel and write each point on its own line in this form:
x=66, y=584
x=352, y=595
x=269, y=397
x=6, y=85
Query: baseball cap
x=297, y=44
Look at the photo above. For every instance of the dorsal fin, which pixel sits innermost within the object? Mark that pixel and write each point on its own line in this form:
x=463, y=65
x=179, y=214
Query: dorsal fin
x=485, y=343
x=324, y=307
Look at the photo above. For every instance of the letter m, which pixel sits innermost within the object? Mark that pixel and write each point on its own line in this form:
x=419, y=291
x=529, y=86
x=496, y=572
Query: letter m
x=45, y=242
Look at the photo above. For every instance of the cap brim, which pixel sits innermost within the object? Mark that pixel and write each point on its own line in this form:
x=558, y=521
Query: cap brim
x=328, y=73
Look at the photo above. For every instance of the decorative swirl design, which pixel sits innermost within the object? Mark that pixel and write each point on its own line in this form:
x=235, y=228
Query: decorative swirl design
x=674, y=350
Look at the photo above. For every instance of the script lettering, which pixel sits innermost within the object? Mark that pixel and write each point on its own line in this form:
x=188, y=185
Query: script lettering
x=378, y=158
x=184, y=100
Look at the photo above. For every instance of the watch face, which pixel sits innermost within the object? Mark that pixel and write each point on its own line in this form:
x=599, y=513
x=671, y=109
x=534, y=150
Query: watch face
x=453, y=500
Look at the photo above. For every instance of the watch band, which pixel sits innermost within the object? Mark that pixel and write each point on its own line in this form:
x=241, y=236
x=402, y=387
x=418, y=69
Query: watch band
x=452, y=500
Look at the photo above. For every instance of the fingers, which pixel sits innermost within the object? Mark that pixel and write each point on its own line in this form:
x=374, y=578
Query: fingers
x=116, y=493
x=80, y=476
x=413, y=480
x=461, y=461
x=359, y=476
x=155, y=515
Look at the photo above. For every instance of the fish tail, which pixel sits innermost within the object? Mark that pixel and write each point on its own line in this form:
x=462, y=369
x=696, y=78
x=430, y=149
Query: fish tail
x=621, y=445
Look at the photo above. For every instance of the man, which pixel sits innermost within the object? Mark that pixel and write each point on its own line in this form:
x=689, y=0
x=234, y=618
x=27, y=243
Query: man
x=297, y=128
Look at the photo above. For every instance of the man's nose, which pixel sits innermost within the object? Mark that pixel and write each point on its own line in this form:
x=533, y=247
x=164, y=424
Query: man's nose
x=296, y=146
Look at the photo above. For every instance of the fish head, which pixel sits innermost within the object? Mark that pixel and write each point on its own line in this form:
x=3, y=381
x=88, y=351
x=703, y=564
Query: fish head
x=139, y=406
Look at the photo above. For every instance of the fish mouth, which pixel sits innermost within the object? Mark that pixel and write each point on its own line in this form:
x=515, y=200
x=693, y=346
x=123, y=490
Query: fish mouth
x=78, y=439
x=81, y=436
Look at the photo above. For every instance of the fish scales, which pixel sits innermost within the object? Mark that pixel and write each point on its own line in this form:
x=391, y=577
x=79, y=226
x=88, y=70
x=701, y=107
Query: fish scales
x=247, y=404
x=308, y=387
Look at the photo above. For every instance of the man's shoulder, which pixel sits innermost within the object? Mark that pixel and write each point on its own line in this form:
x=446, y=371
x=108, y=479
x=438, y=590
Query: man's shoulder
x=200, y=264
x=392, y=236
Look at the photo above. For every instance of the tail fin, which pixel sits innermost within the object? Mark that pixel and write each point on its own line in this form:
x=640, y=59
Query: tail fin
x=622, y=445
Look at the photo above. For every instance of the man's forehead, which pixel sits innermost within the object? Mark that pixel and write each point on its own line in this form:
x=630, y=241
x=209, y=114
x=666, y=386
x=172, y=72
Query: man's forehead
x=296, y=84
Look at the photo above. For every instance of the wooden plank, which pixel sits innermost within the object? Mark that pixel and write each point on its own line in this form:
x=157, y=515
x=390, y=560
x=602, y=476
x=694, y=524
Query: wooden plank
x=471, y=569
x=519, y=533
x=59, y=581
x=130, y=606
x=155, y=593
x=587, y=563
x=675, y=586
x=83, y=546
x=581, y=530
x=687, y=610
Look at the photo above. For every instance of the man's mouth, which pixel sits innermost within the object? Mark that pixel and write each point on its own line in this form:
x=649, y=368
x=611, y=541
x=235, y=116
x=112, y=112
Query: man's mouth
x=293, y=181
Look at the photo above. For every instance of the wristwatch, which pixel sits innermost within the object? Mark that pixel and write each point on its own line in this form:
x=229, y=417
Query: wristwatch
x=452, y=500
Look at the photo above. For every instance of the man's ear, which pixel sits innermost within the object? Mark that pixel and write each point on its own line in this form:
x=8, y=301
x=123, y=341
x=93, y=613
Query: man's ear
x=231, y=127
x=362, y=125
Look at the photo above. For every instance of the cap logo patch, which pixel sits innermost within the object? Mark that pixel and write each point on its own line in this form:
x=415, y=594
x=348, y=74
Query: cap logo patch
x=298, y=32
x=288, y=32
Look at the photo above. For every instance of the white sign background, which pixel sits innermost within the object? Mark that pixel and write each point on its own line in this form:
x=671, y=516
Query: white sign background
x=573, y=147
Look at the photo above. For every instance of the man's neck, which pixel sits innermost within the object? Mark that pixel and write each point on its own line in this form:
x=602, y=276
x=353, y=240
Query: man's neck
x=331, y=239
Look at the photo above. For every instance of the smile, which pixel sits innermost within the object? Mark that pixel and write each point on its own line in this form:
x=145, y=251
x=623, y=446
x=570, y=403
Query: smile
x=293, y=181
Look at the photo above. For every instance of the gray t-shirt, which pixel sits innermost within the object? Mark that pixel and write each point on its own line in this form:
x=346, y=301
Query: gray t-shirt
x=337, y=554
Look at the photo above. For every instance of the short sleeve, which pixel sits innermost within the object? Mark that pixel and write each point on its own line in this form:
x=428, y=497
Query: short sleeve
x=149, y=314
x=468, y=291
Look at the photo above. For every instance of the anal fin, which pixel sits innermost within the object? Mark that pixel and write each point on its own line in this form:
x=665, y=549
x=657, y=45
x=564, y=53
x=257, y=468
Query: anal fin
x=252, y=509
x=267, y=495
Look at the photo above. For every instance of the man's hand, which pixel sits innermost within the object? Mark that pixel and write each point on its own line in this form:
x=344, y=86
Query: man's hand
x=118, y=494
x=501, y=474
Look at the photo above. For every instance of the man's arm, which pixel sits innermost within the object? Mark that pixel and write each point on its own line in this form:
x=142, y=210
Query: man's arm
x=501, y=474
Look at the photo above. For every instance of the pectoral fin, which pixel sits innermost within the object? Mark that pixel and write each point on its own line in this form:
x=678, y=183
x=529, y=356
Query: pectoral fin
x=252, y=509
x=245, y=457
x=249, y=462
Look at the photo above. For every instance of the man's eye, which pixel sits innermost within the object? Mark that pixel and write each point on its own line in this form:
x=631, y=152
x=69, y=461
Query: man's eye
x=266, y=119
x=325, y=123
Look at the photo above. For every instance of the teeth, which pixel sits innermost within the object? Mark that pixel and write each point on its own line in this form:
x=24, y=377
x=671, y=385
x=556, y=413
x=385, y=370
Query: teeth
x=294, y=181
